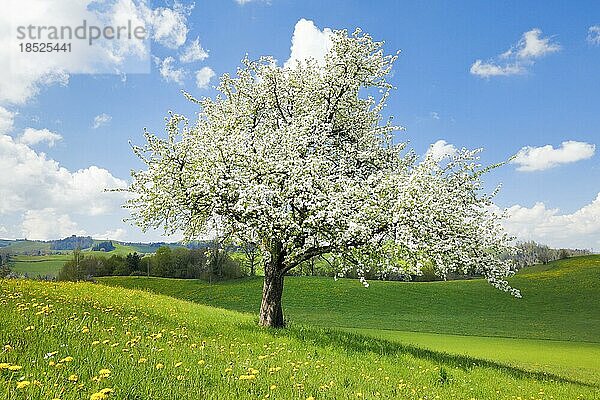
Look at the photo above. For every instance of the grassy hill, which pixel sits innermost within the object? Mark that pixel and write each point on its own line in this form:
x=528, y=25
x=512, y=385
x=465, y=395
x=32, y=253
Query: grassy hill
x=25, y=246
x=560, y=301
x=74, y=340
x=35, y=266
x=50, y=265
x=555, y=327
x=120, y=249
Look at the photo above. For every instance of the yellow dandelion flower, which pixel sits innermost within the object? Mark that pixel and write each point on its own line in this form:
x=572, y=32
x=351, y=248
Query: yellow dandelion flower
x=7, y=347
x=23, y=384
x=247, y=377
x=178, y=364
x=4, y=366
x=106, y=391
x=142, y=360
x=310, y=398
x=14, y=368
x=200, y=362
x=98, y=396
x=104, y=373
x=160, y=366
x=66, y=359
x=227, y=370
x=273, y=387
x=95, y=342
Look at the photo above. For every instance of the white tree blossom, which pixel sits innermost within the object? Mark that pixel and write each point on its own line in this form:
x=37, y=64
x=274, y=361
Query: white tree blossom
x=299, y=160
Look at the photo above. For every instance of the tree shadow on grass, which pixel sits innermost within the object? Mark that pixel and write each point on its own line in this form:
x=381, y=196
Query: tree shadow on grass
x=357, y=343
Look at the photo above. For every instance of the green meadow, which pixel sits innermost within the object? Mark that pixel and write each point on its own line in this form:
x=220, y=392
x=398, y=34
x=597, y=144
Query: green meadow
x=35, y=266
x=88, y=341
x=50, y=265
x=187, y=339
x=554, y=328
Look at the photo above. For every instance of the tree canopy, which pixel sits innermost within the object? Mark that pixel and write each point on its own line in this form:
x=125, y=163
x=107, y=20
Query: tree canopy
x=301, y=161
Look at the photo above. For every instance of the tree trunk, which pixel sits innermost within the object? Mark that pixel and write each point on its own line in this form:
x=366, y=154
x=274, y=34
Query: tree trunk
x=271, y=313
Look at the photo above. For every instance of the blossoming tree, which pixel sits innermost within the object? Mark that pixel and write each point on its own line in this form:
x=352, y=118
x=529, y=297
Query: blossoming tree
x=300, y=161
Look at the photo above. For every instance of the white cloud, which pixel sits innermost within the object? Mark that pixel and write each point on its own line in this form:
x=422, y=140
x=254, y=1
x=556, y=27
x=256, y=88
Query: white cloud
x=21, y=79
x=434, y=115
x=48, y=223
x=487, y=69
x=36, y=182
x=533, y=45
x=541, y=158
x=114, y=234
x=441, y=149
x=593, y=36
x=101, y=120
x=168, y=72
x=169, y=25
x=193, y=52
x=308, y=41
x=203, y=77
x=7, y=119
x=581, y=229
x=519, y=58
x=33, y=136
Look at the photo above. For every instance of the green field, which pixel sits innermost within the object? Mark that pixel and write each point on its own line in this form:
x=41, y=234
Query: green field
x=26, y=246
x=120, y=250
x=556, y=325
x=73, y=340
x=35, y=266
x=50, y=265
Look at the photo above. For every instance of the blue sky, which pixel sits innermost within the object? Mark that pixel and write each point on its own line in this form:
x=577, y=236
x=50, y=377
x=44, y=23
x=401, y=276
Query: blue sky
x=546, y=92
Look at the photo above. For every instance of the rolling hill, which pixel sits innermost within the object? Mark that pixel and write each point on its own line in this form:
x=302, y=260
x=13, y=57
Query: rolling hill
x=83, y=340
x=554, y=328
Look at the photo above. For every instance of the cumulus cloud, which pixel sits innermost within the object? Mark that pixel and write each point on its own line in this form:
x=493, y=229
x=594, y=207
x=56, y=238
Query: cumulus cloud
x=193, y=52
x=203, y=77
x=581, y=229
x=47, y=224
x=101, y=120
x=593, y=36
x=7, y=119
x=308, y=41
x=169, y=25
x=21, y=79
x=440, y=150
x=541, y=158
x=519, y=58
x=33, y=136
x=114, y=234
x=36, y=182
x=169, y=72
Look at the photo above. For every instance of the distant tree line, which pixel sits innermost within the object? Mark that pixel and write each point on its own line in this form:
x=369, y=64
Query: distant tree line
x=527, y=254
x=104, y=246
x=167, y=262
x=72, y=243
x=531, y=253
